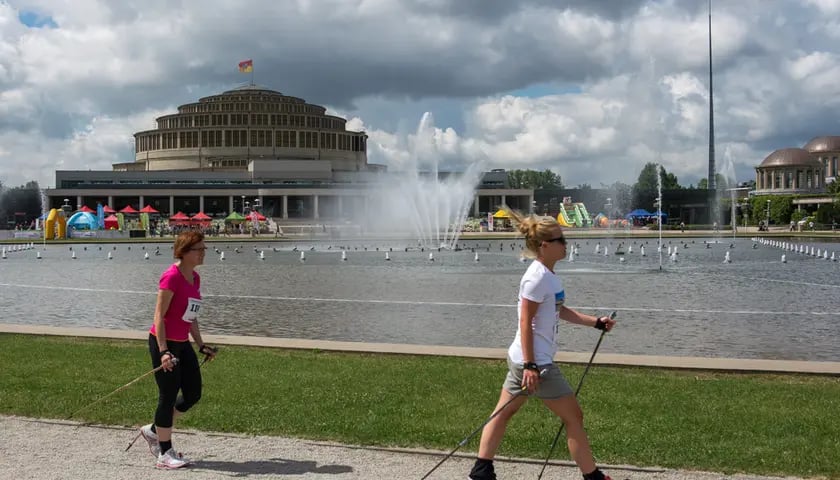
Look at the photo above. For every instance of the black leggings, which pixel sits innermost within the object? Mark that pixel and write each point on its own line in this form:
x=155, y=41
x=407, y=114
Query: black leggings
x=186, y=377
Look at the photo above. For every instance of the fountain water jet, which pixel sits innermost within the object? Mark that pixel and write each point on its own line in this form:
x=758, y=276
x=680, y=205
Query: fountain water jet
x=418, y=201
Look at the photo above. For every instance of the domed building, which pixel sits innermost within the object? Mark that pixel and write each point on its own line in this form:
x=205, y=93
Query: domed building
x=826, y=150
x=227, y=131
x=252, y=149
x=789, y=171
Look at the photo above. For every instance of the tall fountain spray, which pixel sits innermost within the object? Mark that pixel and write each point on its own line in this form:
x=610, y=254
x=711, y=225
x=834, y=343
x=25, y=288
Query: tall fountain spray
x=417, y=202
x=659, y=173
x=44, y=212
x=728, y=172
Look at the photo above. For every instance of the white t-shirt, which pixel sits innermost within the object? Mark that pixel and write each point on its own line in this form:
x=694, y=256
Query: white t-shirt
x=540, y=285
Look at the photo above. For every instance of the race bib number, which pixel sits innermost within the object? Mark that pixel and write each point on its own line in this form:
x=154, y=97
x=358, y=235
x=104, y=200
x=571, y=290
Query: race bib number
x=193, y=308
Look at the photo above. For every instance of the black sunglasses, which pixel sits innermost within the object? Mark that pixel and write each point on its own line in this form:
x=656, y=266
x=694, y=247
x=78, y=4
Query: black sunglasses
x=558, y=240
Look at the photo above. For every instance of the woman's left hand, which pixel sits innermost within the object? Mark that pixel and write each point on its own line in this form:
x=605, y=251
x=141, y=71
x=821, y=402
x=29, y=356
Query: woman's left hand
x=208, y=352
x=608, y=323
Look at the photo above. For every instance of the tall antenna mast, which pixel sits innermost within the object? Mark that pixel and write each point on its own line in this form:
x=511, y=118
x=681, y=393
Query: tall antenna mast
x=711, y=181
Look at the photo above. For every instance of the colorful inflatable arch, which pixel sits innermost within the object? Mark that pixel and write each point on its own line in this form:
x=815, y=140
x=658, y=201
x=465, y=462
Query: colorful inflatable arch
x=55, y=224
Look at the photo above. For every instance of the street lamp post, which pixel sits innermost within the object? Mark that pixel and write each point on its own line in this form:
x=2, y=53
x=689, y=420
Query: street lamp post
x=243, y=204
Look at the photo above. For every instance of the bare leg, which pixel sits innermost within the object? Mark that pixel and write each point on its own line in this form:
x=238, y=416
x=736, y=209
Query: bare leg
x=491, y=435
x=569, y=411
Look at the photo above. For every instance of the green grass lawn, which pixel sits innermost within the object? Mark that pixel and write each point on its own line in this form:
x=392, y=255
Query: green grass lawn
x=763, y=424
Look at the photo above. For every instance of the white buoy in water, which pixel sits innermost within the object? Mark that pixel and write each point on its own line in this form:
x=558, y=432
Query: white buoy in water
x=343, y=255
x=431, y=257
x=572, y=255
x=38, y=255
x=387, y=257
x=146, y=256
x=674, y=257
x=598, y=248
x=784, y=258
x=825, y=254
x=621, y=260
x=833, y=259
x=3, y=255
x=726, y=258
x=475, y=258
x=606, y=251
x=73, y=256
x=302, y=256
x=630, y=249
x=262, y=255
x=110, y=257
x=222, y=257
x=642, y=251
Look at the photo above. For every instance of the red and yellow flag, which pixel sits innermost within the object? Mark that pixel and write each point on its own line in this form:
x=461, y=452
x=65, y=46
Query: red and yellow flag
x=246, y=66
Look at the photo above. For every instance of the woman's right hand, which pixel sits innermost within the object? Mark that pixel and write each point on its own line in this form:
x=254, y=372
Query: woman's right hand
x=167, y=361
x=530, y=381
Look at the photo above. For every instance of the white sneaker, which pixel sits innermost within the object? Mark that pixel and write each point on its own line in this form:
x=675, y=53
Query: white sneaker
x=151, y=438
x=171, y=459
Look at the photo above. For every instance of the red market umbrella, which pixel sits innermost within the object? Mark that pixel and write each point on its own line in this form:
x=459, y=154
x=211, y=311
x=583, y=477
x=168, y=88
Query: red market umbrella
x=108, y=209
x=87, y=209
x=200, y=217
x=179, y=217
x=129, y=209
x=260, y=217
x=148, y=209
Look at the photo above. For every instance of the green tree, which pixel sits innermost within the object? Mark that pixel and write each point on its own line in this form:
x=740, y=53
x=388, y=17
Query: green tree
x=645, y=189
x=534, y=179
x=20, y=204
x=720, y=182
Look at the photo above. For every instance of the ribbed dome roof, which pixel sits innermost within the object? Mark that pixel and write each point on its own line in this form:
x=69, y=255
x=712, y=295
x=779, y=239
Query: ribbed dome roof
x=823, y=144
x=789, y=157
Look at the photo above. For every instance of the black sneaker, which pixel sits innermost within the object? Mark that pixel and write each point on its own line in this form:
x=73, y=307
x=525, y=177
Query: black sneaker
x=483, y=470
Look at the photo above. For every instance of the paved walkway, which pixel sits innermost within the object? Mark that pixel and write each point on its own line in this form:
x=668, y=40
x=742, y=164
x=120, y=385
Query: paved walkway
x=56, y=450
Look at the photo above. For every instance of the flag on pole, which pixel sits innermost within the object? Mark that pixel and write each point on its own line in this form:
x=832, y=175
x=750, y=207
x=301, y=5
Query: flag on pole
x=246, y=66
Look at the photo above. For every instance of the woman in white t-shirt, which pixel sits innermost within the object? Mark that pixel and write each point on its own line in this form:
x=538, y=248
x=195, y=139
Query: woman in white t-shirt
x=541, y=298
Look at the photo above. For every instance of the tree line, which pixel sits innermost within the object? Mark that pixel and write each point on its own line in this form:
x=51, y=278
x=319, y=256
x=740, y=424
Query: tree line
x=19, y=206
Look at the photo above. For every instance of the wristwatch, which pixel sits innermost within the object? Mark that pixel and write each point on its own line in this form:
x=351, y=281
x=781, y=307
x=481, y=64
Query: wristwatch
x=530, y=366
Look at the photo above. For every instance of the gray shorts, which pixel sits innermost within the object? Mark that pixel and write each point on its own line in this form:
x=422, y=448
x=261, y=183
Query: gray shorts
x=552, y=383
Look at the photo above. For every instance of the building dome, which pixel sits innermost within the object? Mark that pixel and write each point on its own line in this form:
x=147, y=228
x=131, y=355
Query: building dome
x=788, y=157
x=823, y=144
x=251, y=123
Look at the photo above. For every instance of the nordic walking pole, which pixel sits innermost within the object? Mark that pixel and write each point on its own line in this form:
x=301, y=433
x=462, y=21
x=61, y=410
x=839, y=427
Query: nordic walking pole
x=580, y=384
x=468, y=437
x=174, y=362
x=207, y=358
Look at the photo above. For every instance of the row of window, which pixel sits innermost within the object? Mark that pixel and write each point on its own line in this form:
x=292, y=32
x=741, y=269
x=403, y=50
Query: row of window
x=259, y=119
x=257, y=106
x=258, y=138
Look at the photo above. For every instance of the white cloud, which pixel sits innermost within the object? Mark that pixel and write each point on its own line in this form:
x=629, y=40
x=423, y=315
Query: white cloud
x=632, y=84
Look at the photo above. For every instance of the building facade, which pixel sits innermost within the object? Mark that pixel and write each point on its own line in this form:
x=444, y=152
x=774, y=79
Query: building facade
x=804, y=170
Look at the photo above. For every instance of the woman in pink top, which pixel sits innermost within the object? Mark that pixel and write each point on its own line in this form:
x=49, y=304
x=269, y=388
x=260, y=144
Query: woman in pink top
x=176, y=318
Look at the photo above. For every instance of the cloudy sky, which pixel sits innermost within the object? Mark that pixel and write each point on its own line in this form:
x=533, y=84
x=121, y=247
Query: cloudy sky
x=590, y=89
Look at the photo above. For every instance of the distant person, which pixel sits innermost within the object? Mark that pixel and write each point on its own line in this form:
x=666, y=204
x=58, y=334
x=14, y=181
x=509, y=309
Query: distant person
x=682, y=227
x=541, y=306
x=811, y=226
x=715, y=226
x=792, y=226
x=176, y=318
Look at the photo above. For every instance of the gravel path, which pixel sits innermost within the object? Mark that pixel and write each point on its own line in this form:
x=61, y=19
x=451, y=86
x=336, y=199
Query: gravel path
x=48, y=449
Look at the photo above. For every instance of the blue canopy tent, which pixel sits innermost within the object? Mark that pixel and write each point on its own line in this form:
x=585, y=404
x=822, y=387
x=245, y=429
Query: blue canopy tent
x=661, y=214
x=83, y=221
x=639, y=213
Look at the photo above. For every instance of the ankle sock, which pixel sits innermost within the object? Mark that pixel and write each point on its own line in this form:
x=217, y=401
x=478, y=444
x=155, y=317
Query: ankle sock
x=165, y=446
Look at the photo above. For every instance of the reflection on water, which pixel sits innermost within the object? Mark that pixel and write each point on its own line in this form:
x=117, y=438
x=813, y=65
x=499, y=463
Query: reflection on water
x=754, y=307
